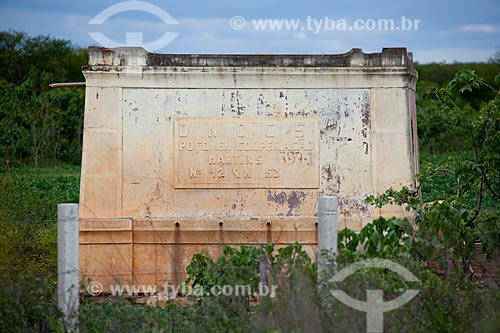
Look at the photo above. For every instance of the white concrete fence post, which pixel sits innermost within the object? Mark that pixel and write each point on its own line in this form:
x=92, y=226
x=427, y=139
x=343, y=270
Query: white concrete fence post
x=68, y=263
x=327, y=229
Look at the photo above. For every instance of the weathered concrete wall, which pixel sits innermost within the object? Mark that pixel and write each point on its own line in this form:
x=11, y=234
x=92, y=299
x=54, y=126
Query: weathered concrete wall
x=185, y=152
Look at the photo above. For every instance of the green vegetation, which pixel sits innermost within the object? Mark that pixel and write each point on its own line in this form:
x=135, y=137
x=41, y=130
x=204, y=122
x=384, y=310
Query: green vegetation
x=457, y=205
x=437, y=131
x=39, y=126
x=28, y=244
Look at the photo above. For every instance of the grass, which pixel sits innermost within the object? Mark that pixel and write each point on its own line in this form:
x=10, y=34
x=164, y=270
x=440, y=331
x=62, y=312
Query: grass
x=31, y=194
x=28, y=216
x=28, y=245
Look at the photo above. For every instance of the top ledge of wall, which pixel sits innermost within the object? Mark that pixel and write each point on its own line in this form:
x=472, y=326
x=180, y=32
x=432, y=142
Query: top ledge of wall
x=138, y=57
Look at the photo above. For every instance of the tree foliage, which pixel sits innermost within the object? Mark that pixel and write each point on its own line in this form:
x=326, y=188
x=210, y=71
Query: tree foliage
x=437, y=132
x=39, y=126
x=468, y=213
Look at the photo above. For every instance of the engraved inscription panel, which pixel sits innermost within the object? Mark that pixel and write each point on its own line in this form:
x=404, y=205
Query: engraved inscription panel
x=246, y=153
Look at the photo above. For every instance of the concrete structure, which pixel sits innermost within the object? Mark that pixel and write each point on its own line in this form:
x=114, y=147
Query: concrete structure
x=185, y=152
x=68, y=264
x=327, y=230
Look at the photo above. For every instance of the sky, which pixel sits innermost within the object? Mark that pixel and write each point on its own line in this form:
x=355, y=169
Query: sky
x=434, y=31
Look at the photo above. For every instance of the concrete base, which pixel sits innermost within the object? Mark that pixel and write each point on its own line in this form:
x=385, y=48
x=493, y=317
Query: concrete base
x=237, y=139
